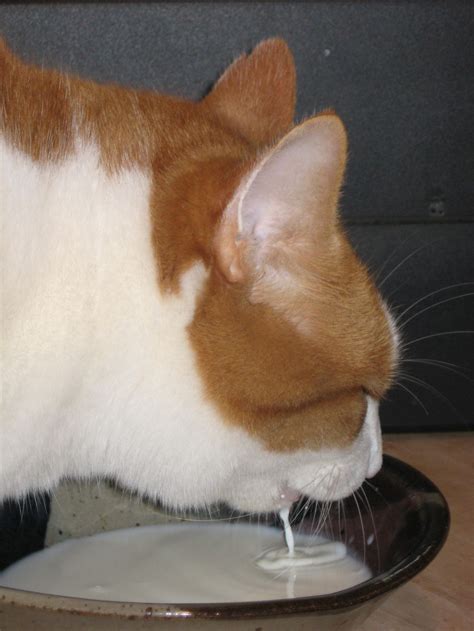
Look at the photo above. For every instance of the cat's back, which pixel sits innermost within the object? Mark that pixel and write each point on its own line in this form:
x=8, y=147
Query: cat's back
x=80, y=299
x=59, y=196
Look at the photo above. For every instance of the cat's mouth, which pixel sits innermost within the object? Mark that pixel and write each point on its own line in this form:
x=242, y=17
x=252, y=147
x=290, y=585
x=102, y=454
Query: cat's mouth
x=287, y=497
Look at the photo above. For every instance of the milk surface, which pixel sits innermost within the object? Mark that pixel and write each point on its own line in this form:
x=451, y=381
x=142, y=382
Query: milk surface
x=188, y=563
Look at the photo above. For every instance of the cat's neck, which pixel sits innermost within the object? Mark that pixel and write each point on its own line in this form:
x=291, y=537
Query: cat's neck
x=44, y=112
x=192, y=159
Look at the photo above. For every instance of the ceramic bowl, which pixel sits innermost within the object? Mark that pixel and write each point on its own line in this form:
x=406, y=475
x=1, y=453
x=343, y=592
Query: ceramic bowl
x=398, y=537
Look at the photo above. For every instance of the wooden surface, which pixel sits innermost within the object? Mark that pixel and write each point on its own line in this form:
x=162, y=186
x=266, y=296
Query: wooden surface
x=442, y=597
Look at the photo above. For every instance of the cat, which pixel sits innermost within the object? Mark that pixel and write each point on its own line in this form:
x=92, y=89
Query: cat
x=181, y=308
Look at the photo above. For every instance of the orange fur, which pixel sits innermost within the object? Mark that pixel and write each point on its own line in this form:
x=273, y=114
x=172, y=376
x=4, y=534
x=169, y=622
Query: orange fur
x=291, y=388
x=257, y=93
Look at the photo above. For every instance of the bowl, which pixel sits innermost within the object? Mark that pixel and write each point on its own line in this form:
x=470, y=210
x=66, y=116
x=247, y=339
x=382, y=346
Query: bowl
x=401, y=533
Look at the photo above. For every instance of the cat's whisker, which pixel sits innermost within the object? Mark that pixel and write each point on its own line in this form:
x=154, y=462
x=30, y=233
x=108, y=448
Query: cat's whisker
x=325, y=515
x=215, y=519
x=40, y=501
x=421, y=382
x=326, y=507
x=56, y=500
x=441, y=333
x=440, y=364
x=407, y=258
x=317, y=528
x=332, y=505
x=432, y=360
x=327, y=504
x=401, y=325
x=295, y=511
x=338, y=518
x=32, y=502
x=330, y=522
x=344, y=520
x=21, y=507
x=417, y=399
x=432, y=293
x=316, y=511
x=313, y=480
x=300, y=522
x=317, y=503
x=376, y=490
x=430, y=388
x=307, y=501
x=298, y=507
x=321, y=519
x=372, y=519
x=361, y=525
x=390, y=257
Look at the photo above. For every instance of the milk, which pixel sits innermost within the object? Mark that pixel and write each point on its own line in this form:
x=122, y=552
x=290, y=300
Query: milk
x=289, y=538
x=189, y=563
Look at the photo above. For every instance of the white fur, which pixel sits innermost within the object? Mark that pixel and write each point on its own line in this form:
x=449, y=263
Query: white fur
x=98, y=375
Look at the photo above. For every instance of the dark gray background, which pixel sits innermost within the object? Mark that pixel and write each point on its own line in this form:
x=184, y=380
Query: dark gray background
x=401, y=76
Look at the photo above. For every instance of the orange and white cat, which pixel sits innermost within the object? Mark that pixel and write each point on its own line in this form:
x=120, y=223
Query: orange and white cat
x=181, y=310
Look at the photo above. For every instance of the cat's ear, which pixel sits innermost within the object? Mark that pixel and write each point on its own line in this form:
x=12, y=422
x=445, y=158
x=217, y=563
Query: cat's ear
x=288, y=202
x=256, y=94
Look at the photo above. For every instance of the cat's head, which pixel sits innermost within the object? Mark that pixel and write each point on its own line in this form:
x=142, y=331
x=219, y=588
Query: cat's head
x=293, y=342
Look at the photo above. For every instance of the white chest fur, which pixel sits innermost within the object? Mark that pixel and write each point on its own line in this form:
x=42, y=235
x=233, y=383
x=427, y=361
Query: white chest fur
x=92, y=353
x=98, y=375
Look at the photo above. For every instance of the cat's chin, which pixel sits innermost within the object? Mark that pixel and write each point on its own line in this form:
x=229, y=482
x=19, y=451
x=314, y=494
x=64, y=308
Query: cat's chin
x=264, y=500
x=325, y=476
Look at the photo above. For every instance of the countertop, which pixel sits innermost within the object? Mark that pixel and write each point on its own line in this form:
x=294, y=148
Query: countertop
x=442, y=597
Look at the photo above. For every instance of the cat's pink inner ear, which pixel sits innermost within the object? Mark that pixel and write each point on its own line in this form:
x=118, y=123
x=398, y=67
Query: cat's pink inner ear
x=256, y=95
x=288, y=201
x=294, y=191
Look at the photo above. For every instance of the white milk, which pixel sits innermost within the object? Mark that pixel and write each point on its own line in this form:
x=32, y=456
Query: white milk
x=323, y=553
x=188, y=563
x=289, y=538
